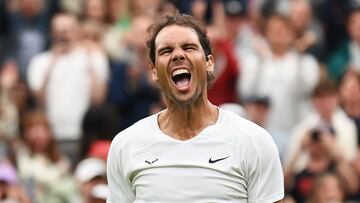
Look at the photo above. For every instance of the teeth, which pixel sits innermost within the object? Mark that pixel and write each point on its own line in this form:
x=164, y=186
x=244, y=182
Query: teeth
x=180, y=71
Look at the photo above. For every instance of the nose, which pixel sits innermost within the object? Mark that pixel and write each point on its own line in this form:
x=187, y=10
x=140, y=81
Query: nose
x=178, y=55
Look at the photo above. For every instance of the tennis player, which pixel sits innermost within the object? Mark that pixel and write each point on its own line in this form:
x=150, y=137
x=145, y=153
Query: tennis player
x=192, y=151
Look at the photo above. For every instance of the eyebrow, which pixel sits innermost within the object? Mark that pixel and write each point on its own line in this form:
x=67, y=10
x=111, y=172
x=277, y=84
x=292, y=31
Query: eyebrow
x=164, y=48
x=189, y=44
x=184, y=44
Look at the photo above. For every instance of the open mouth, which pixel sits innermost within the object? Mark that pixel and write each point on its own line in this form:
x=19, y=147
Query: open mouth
x=181, y=78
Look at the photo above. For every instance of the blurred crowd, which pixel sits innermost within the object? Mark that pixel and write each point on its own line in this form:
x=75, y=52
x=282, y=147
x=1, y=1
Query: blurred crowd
x=73, y=73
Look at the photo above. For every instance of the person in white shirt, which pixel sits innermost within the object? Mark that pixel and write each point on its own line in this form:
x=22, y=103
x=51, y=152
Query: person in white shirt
x=67, y=79
x=192, y=151
x=283, y=74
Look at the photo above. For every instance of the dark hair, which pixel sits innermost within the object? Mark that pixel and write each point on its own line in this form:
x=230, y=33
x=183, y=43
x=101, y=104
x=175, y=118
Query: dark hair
x=325, y=87
x=36, y=117
x=181, y=20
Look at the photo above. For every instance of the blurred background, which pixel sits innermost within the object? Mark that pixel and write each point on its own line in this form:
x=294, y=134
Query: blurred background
x=73, y=73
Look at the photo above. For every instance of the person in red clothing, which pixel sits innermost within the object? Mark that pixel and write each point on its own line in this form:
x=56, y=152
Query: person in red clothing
x=223, y=89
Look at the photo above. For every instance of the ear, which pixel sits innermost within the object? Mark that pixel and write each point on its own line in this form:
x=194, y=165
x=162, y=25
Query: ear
x=210, y=63
x=154, y=72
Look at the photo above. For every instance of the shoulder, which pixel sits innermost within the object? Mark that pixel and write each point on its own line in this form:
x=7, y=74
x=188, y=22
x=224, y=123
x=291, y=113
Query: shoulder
x=41, y=57
x=136, y=134
x=308, y=59
x=243, y=131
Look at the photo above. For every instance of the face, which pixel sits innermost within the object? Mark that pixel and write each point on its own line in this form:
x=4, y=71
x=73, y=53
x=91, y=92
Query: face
x=330, y=190
x=278, y=33
x=326, y=104
x=180, y=65
x=95, y=9
x=300, y=14
x=350, y=89
x=257, y=112
x=39, y=137
x=30, y=8
x=354, y=26
x=64, y=29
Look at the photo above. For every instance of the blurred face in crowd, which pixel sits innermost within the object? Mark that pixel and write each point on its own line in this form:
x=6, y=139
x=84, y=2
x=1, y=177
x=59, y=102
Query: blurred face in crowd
x=145, y=7
x=31, y=8
x=350, y=88
x=325, y=104
x=138, y=28
x=198, y=9
x=95, y=10
x=64, y=29
x=38, y=137
x=328, y=189
x=350, y=94
x=257, y=112
x=180, y=64
x=279, y=33
x=300, y=14
x=354, y=26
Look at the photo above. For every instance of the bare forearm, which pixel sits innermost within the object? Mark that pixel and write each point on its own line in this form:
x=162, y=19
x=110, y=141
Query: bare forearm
x=349, y=175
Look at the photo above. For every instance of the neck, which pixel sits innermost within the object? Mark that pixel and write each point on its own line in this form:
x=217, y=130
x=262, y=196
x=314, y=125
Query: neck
x=185, y=122
x=279, y=51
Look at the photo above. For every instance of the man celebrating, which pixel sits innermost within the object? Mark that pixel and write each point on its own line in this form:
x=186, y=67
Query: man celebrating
x=192, y=151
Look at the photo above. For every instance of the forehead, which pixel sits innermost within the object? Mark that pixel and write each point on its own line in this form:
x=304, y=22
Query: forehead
x=175, y=34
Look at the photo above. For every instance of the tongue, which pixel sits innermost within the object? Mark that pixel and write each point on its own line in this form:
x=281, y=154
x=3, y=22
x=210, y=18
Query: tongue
x=183, y=82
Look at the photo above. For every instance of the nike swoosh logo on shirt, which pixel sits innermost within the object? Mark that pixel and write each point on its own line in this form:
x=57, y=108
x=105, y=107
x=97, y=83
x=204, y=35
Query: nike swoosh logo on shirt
x=211, y=161
x=151, y=161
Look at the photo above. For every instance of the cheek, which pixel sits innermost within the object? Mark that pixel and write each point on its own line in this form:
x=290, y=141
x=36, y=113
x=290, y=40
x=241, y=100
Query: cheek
x=199, y=66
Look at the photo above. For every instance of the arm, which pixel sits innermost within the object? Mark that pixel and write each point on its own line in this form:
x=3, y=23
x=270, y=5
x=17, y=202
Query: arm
x=41, y=93
x=40, y=70
x=119, y=186
x=302, y=143
x=98, y=73
x=348, y=174
x=264, y=174
x=343, y=166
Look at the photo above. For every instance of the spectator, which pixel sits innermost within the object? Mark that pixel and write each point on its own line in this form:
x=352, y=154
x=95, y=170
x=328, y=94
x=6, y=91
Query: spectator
x=99, y=193
x=348, y=55
x=257, y=110
x=66, y=80
x=41, y=165
x=89, y=173
x=132, y=91
x=324, y=141
x=328, y=188
x=28, y=31
x=350, y=97
x=332, y=15
x=309, y=36
x=327, y=112
x=324, y=156
x=99, y=126
x=10, y=189
x=223, y=87
x=283, y=71
x=8, y=110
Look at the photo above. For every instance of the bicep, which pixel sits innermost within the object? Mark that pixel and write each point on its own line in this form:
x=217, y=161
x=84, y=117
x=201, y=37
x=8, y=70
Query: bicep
x=265, y=178
x=119, y=187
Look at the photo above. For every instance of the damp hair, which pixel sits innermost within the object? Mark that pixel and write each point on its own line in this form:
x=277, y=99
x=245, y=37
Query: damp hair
x=183, y=20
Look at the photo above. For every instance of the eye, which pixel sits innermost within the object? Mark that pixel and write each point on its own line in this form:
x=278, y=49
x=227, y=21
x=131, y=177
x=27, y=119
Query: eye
x=189, y=48
x=165, y=51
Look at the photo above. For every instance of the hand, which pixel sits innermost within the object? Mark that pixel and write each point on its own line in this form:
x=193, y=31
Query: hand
x=328, y=141
x=305, y=141
x=9, y=75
